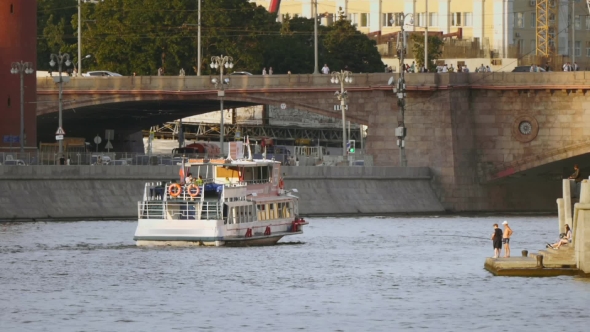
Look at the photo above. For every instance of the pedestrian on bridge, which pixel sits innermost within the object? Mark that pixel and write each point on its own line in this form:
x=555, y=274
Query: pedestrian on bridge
x=264, y=71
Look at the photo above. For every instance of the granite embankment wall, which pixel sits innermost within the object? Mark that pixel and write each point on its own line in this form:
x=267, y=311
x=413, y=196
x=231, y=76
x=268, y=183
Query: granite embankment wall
x=112, y=192
x=75, y=192
x=363, y=190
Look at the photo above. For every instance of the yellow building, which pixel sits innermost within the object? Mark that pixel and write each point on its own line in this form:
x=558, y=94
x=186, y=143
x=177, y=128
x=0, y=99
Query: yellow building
x=502, y=25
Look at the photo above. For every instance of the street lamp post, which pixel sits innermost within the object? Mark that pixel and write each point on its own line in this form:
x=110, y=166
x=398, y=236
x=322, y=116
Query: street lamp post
x=22, y=68
x=400, y=90
x=342, y=77
x=79, y=38
x=59, y=59
x=218, y=62
x=199, y=42
x=315, y=38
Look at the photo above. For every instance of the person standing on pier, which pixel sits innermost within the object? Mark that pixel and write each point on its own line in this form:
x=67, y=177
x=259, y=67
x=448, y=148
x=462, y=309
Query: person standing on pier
x=497, y=240
x=506, y=238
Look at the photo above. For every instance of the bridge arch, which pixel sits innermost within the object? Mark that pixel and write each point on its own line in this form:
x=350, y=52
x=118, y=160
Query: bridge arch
x=541, y=159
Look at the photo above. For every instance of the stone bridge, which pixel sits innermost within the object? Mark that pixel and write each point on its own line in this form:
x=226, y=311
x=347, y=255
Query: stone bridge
x=493, y=140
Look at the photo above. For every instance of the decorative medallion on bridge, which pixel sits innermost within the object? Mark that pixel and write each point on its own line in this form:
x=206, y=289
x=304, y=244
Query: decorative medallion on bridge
x=525, y=128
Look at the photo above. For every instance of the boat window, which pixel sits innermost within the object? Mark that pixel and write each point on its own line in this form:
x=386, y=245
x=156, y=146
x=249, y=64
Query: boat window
x=264, y=173
x=288, y=209
x=281, y=207
x=233, y=216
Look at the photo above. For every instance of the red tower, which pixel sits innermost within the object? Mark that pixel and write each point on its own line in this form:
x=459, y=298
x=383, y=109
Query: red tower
x=18, y=42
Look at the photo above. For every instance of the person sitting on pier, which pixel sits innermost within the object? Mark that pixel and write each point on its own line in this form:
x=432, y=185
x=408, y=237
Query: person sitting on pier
x=566, y=239
x=189, y=178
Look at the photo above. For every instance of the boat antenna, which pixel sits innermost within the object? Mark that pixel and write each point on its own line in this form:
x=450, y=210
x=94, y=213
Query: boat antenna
x=182, y=172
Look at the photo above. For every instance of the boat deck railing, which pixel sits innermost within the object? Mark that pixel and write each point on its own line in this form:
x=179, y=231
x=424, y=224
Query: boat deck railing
x=180, y=210
x=257, y=181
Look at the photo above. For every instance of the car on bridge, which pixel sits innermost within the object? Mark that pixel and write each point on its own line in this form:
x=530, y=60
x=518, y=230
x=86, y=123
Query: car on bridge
x=241, y=73
x=101, y=73
x=16, y=162
x=526, y=69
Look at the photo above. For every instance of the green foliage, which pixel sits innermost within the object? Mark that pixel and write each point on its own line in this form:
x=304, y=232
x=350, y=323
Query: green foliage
x=435, y=45
x=140, y=36
x=54, y=32
x=346, y=47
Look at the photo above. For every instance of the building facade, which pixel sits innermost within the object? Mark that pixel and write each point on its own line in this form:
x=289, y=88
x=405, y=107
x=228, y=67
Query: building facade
x=503, y=25
x=18, y=42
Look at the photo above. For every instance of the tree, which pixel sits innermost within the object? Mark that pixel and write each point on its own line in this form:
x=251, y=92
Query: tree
x=140, y=36
x=292, y=49
x=434, y=50
x=346, y=47
x=54, y=34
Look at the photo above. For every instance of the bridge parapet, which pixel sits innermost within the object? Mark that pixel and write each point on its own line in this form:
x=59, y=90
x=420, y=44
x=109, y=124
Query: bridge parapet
x=373, y=81
x=203, y=83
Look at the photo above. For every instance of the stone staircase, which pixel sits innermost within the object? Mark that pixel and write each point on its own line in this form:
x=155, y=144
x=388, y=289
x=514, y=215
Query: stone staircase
x=563, y=257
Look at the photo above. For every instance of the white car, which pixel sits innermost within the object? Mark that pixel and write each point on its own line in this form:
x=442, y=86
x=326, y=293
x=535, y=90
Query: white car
x=100, y=73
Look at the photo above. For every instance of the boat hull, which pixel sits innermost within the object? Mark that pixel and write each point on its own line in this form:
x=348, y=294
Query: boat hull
x=167, y=233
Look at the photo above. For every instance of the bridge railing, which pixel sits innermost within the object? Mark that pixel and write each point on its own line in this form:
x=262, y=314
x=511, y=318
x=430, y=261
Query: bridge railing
x=189, y=84
x=142, y=159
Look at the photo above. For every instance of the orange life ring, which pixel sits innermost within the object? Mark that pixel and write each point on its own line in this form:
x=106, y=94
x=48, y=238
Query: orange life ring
x=190, y=189
x=172, y=191
x=281, y=184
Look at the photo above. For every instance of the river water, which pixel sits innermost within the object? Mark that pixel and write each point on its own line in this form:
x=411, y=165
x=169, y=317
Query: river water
x=343, y=274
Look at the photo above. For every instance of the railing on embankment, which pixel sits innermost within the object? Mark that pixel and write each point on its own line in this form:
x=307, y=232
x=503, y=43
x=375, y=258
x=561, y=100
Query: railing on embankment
x=104, y=192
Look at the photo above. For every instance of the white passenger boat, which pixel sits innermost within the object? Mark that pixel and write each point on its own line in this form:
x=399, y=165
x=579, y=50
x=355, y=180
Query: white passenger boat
x=238, y=202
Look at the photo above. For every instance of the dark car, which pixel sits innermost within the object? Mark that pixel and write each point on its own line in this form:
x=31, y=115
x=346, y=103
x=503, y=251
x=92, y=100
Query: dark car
x=525, y=69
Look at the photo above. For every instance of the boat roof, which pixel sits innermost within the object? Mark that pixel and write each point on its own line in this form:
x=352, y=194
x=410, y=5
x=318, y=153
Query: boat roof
x=230, y=162
x=272, y=199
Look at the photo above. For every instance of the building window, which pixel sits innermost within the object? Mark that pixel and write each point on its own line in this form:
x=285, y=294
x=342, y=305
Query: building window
x=399, y=17
x=420, y=20
x=521, y=46
x=519, y=20
x=433, y=19
x=578, y=22
x=587, y=22
x=456, y=19
x=364, y=20
x=588, y=52
x=533, y=46
x=353, y=18
x=578, y=48
x=533, y=20
x=388, y=19
x=468, y=19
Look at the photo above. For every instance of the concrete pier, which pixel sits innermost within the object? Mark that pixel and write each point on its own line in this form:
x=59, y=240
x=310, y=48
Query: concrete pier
x=524, y=267
x=561, y=214
x=569, y=259
x=567, y=201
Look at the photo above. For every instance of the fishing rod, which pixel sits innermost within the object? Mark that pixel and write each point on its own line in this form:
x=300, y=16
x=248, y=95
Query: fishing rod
x=471, y=237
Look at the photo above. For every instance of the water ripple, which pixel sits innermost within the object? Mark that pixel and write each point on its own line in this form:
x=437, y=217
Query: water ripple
x=343, y=274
